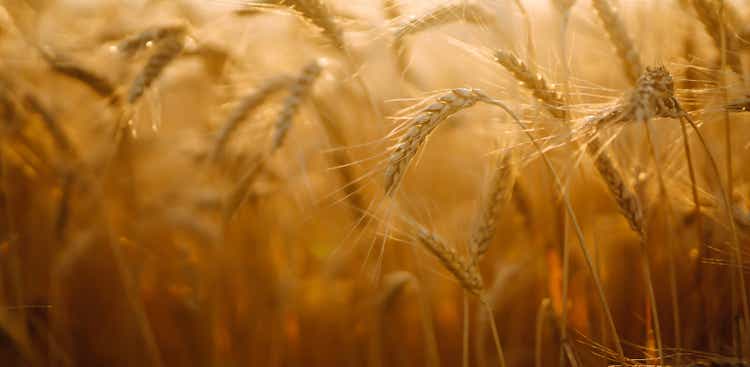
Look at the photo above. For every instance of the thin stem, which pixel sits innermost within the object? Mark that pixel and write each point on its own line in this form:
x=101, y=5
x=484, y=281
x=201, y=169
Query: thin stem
x=574, y=219
x=465, y=347
x=728, y=210
x=500, y=356
x=694, y=187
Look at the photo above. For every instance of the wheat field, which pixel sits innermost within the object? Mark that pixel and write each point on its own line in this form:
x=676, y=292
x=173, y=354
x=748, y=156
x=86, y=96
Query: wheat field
x=374, y=183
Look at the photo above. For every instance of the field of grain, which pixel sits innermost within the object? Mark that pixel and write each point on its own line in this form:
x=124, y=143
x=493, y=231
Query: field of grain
x=374, y=183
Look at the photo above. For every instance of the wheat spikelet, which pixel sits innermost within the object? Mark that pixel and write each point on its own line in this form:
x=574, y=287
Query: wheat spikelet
x=498, y=193
x=166, y=51
x=626, y=199
x=298, y=91
x=540, y=89
x=246, y=105
x=619, y=35
x=131, y=45
x=464, y=272
x=444, y=14
x=420, y=127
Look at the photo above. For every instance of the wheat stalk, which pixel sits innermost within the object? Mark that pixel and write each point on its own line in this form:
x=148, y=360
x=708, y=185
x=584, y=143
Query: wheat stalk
x=299, y=89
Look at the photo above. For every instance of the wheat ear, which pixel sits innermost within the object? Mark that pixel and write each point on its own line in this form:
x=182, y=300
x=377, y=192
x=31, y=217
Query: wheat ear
x=463, y=271
x=617, y=32
x=498, y=193
x=166, y=51
x=534, y=82
x=246, y=105
x=420, y=127
x=298, y=90
x=444, y=14
x=131, y=45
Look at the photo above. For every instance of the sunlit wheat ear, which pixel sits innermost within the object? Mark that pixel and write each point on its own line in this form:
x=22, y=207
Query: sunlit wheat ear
x=317, y=13
x=535, y=83
x=615, y=28
x=98, y=84
x=463, y=271
x=298, y=92
x=497, y=193
x=625, y=197
x=166, y=51
x=444, y=14
x=422, y=126
x=708, y=12
x=246, y=105
x=131, y=45
x=652, y=97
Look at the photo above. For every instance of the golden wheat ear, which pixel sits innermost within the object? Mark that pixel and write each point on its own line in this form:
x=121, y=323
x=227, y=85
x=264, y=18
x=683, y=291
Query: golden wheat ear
x=244, y=107
x=166, y=51
x=497, y=194
x=298, y=92
x=534, y=82
x=422, y=126
x=618, y=34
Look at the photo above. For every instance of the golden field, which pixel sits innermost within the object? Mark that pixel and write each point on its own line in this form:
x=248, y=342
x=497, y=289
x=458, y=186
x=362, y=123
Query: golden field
x=374, y=183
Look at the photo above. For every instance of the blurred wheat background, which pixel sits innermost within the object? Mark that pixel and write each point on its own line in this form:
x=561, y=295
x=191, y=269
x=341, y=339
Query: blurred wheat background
x=374, y=183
